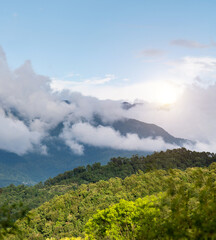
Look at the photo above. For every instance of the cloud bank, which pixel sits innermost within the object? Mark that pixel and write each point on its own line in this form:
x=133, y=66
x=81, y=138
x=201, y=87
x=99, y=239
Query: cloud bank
x=107, y=137
x=16, y=137
x=30, y=107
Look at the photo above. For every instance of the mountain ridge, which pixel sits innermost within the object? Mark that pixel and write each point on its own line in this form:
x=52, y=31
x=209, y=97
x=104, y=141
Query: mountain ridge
x=33, y=167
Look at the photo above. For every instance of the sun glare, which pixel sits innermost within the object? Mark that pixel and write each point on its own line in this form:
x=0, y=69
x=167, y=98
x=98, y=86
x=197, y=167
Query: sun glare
x=167, y=94
x=164, y=93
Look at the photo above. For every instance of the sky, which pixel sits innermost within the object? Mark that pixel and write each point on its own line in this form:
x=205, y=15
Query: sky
x=102, y=52
x=91, y=45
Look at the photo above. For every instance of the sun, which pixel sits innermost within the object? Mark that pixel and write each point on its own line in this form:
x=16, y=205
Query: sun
x=167, y=93
x=164, y=93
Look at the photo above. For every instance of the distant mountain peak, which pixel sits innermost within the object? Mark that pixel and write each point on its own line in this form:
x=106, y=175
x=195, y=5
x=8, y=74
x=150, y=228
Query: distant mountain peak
x=127, y=105
x=66, y=101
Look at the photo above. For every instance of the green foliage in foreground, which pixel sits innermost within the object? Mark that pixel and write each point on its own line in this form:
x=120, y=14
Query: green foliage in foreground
x=126, y=220
x=8, y=215
x=66, y=215
x=160, y=204
x=67, y=238
x=187, y=210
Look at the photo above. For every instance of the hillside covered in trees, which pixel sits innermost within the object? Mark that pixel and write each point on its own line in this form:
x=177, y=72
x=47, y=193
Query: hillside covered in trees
x=134, y=200
x=160, y=204
x=34, y=196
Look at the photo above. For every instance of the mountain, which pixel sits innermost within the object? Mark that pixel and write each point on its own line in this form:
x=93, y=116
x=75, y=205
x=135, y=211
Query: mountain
x=13, y=169
x=33, y=167
x=44, y=133
x=145, y=130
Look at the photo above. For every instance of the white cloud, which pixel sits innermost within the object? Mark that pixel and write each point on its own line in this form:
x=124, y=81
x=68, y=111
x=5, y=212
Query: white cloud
x=74, y=146
x=192, y=116
x=84, y=133
x=188, y=69
x=15, y=136
x=151, y=91
x=74, y=85
x=42, y=109
x=162, y=88
x=189, y=87
x=30, y=95
x=202, y=146
x=99, y=81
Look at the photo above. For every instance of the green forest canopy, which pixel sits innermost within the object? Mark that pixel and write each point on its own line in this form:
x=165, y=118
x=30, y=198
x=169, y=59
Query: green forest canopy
x=34, y=196
x=178, y=204
x=67, y=215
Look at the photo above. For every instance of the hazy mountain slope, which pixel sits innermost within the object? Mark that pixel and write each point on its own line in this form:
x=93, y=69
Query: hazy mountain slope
x=145, y=130
x=34, y=167
x=13, y=169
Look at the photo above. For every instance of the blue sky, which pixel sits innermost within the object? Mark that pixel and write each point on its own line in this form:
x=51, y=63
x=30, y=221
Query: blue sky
x=87, y=41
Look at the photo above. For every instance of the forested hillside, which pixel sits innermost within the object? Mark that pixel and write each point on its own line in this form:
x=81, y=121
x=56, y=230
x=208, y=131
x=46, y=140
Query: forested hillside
x=34, y=196
x=160, y=204
x=186, y=210
x=66, y=215
x=180, y=158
